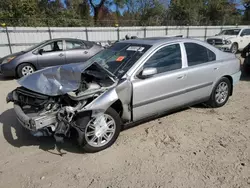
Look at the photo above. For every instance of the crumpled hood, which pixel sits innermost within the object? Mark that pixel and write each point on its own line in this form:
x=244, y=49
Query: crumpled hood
x=56, y=80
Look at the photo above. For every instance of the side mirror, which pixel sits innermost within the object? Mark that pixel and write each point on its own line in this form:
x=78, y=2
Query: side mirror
x=40, y=51
x=147, y=72
x=242, y=34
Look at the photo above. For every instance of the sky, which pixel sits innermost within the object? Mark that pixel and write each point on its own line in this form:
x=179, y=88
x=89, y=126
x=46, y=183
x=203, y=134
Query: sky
x=239, y=2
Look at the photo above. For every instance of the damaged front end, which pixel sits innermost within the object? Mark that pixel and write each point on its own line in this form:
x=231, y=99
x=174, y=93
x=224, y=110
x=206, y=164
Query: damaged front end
x=54, y=111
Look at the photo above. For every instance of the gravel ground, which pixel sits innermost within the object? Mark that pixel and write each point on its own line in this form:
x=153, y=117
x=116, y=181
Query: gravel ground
x=196, y=147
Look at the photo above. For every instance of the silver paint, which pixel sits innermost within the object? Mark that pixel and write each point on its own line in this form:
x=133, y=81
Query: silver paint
x=141, y=98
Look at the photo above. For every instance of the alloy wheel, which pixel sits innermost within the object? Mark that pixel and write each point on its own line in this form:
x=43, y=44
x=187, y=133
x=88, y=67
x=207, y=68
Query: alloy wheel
x=221, y=93
x=27, y=70
x=100, y=130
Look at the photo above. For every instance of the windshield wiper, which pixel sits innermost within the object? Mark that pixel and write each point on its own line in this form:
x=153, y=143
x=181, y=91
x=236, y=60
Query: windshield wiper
x=106, y=70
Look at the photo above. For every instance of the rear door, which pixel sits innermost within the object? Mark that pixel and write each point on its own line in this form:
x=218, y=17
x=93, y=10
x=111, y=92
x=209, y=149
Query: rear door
x=77, y=51
x=52, y=54
x=203, y=71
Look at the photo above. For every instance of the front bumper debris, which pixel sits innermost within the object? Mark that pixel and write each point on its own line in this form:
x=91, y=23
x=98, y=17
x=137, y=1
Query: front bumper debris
x=34, y=123
x=224, y=48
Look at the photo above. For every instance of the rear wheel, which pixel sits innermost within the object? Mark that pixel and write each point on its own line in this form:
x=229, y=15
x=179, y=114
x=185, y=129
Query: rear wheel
x=220, y=94
x=100, y=132
x=25, y=69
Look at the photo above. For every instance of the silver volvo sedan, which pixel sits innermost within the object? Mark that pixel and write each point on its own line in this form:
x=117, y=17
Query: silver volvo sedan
x=130, y=81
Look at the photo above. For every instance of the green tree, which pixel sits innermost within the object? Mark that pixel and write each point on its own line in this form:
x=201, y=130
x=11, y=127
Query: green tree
x=246, y=16
x=186, y=11
x=220, y=12
x=152, y=12
x=96, y=7
x=18, y=13
x=79, y=12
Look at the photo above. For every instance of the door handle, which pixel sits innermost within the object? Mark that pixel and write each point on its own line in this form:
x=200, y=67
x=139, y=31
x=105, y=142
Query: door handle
x=85, y=52
x=216, y=68
x=61, y=55
x=181, y=77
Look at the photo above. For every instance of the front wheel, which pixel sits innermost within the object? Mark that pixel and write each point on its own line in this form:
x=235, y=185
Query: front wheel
x=220, y=93
x=234, y=48
x=101, y=131
x=25, y=69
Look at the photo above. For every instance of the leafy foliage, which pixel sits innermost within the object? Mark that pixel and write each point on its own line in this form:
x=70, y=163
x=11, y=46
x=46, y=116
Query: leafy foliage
x=73, y=13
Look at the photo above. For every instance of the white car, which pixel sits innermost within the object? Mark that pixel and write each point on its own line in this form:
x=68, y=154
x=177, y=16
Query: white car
x=231, y=40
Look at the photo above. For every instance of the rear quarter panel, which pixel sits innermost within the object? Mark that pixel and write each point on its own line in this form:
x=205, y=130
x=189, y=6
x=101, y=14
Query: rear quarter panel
x=228, y=65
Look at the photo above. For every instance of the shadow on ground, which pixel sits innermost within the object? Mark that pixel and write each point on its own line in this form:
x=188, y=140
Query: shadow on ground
x=3, y=78
x=245, y=69
x=157, y=117
x=18, y=136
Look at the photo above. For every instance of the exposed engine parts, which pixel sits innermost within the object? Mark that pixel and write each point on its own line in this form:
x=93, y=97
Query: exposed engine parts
x=65, y=117
x=54, y=115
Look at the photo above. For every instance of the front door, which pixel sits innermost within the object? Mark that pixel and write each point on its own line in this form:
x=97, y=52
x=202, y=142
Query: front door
x=52, y=54
x=164, y=90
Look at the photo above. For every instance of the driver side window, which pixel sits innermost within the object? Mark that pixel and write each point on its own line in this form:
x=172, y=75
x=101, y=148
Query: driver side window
x=166, y=59
x=53, y=47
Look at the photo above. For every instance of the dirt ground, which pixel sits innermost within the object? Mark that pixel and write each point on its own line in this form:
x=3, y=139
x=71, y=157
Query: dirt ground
x=196, y=147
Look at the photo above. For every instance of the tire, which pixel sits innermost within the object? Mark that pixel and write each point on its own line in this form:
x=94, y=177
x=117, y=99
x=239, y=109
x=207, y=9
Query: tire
x=214, y=100
x=94, y=134
x=234, y=48
x=25, y=69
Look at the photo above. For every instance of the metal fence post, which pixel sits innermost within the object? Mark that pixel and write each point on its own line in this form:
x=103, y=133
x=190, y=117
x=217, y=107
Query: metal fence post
x=8, y=38
x=205, y=37
x=145, y=32
x=118, y=33
x=188, y=32
x=50, y=35
x=86, y=32
x=166, y=30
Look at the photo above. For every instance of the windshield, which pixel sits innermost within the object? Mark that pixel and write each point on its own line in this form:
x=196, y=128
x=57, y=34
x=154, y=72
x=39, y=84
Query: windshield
x=35, y=46
x=120, y=57
x=230, y=32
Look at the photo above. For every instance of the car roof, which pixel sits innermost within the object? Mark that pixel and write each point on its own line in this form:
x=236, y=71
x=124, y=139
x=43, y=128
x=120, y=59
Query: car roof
x=65, y=39
x=155, y=41
x=235, y=28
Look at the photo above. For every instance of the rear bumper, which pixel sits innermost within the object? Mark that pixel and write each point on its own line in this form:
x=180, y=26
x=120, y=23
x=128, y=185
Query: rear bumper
x=236, y=77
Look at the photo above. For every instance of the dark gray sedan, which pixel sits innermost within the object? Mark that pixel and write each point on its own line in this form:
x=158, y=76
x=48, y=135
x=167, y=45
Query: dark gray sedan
x=48, y=53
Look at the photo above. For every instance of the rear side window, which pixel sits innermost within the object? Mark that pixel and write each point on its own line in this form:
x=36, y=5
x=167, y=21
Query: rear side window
x=88, y=44
x=74, y=44
x=198, y=54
